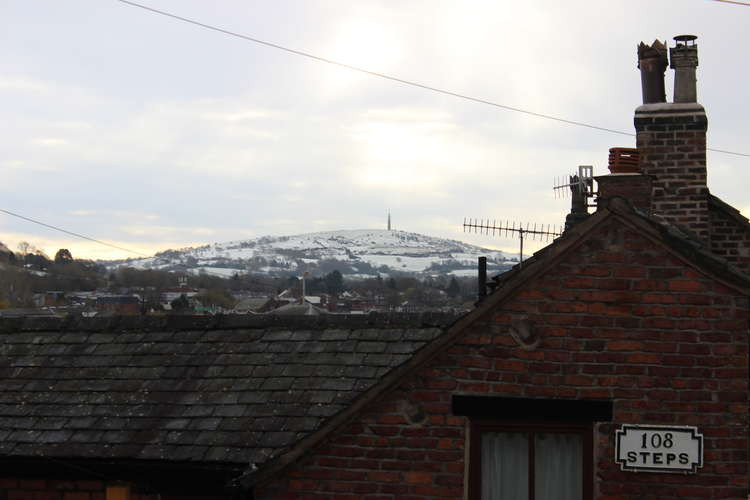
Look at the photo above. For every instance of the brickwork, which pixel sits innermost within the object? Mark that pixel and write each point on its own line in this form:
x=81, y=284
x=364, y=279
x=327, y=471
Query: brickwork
x=671, y=139
x=70, y=489
x=47, y=489
x=730, y=238
x=620, y=319
x=633, y=187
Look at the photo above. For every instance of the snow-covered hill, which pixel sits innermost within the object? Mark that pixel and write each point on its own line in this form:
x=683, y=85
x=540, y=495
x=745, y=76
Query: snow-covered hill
x=355, y=253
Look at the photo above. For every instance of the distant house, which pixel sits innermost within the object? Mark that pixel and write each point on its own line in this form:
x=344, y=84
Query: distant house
x=257, y=305
x=306, y=309
x=118, y=304
x=251, y=305
x=50, y=299
x=170, y=295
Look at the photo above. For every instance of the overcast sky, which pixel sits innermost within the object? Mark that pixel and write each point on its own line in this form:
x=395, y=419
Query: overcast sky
x=151, y=133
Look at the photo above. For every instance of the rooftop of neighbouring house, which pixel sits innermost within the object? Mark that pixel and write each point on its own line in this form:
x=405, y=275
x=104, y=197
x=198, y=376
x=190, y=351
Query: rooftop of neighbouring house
x=233, y=389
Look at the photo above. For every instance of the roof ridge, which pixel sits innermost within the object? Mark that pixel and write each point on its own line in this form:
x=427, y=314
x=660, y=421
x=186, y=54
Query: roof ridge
x=716, y=202
x=225, y=322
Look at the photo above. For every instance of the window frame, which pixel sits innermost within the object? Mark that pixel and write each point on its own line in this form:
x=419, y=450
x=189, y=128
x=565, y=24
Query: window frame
x=480, y=426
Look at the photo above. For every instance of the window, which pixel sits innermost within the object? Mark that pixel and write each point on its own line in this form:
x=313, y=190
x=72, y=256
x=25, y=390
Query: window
x=530, y=449
x=523, y=461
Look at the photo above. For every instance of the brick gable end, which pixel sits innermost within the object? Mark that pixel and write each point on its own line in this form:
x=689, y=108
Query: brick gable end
x=620, y=319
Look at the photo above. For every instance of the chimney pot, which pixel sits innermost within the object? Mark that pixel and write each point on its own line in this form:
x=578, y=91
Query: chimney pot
x=624, y=161
x=652, y=61
x=482, y=278
x=684, y=60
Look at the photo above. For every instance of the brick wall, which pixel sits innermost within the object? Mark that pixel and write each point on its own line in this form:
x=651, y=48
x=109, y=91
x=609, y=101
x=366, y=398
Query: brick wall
x=72, y=489
x=634, y=188
x=671, y=139
x=730, y=239
x=44, y=489
x=621, y=320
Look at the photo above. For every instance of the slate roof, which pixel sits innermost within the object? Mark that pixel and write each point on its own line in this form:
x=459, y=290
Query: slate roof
x=717, y=204
x=233, y=389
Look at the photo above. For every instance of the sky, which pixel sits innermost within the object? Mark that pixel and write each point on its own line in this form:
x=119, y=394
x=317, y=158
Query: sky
x=150, y=133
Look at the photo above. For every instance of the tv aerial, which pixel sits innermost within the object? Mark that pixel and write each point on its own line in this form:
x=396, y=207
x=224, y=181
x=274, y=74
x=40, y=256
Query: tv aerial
x=581, y=185
x=543, y=232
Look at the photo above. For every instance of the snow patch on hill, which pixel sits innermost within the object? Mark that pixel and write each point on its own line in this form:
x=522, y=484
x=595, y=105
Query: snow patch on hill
x=363, y=252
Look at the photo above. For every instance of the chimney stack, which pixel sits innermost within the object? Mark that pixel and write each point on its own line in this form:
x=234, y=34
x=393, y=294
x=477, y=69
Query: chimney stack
x=684, y=61
x=652, y=61
x=671, y=141
x=625, y=180
x=578, y=203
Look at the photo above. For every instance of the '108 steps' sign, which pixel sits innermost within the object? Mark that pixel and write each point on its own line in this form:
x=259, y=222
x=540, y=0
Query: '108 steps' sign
x=656, y=448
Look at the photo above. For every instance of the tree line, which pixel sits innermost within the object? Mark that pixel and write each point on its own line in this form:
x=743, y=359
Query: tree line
x=29, y=271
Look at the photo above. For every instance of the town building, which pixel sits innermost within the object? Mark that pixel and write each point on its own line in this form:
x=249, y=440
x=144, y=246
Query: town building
x=613, y=364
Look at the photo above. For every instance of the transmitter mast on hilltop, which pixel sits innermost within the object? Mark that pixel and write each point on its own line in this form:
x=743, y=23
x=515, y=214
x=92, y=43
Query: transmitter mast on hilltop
x=389, y=220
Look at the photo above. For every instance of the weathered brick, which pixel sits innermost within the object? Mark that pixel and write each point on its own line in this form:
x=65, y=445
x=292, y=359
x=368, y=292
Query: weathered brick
x=418, y=478
x=625, y=345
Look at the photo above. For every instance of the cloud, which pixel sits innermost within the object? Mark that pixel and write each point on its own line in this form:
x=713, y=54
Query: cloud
x=12, y=84
x=49, y=141
x=79, y=248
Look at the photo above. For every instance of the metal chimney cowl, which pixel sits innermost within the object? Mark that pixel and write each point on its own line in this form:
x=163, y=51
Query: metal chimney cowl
x=684, y=60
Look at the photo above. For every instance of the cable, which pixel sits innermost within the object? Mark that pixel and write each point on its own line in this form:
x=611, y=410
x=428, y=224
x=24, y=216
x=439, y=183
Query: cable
x=373, y=73
x=74, y=234
x=393, y=78
x=735, y=2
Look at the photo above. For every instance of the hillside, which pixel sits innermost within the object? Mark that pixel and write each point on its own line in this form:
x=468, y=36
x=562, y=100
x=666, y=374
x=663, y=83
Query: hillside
x=355, y=253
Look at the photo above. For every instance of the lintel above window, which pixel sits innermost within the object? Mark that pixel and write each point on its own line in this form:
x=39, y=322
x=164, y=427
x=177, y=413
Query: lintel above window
x=541, y=410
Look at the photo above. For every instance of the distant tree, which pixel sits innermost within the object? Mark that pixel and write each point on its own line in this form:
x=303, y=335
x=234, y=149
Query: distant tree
x=424, y=297
x=216, y=297
x=393, y=298
x=6, y=255
x=292, y=281
x=334, y=282
x=235, y=282
x=25, y=247
x=391, y=283
x=314, y=286
x=37, y=260
x=180, y=304
x=404, y=283
x=453, y=288
x=379, y=281
x=63, y=256
x=15, y=287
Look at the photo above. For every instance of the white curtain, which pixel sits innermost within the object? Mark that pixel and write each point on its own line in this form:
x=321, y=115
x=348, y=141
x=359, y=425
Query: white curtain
x=557, y=471
x=557, y=466
x=505, y=466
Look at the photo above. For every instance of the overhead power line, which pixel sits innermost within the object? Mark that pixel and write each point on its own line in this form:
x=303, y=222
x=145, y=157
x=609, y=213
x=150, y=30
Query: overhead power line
x=394, y=78
x=72, y=233
x=735, y=2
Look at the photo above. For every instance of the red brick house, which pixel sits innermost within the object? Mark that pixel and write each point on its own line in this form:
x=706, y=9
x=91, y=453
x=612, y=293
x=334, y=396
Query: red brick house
x=613, y=364
x=619, y=322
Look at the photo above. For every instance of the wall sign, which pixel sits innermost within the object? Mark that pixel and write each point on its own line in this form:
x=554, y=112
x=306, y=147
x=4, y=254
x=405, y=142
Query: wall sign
x=658, y=448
